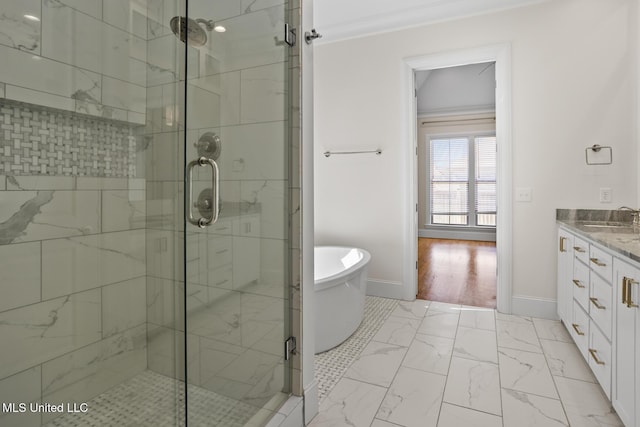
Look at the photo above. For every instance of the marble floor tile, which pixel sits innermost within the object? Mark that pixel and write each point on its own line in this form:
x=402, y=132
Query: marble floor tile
x=350, y=403
x=397, y=330
x=457, y=416
x=477, y=317
x=474, y=385
x=440, y=324
x=513, y=318
x=586, y=404
x=476, y=344
x=565, y=360
x=413, y=399
x=527, y=410
x=444, y=307
x=377, y=364
x=380, y=423
x=411, y=309
x=518, y=335
x=551, y=330
x=429, y=353
x=526, y=371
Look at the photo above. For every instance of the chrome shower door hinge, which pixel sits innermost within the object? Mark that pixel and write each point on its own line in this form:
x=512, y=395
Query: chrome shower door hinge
x=289, y=35
x=289, y=347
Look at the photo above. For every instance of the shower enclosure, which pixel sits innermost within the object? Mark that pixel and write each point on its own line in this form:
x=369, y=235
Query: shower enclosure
x=146, y=209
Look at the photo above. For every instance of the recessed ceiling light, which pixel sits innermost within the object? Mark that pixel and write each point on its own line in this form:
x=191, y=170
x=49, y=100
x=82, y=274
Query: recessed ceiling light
x=32, y=18
x=219, y=28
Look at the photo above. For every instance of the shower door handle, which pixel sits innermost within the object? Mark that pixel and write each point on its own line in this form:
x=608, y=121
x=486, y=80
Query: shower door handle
x=202, y=222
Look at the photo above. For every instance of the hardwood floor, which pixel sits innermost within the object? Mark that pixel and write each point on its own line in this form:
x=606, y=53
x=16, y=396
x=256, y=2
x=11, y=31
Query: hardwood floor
x=457, y=272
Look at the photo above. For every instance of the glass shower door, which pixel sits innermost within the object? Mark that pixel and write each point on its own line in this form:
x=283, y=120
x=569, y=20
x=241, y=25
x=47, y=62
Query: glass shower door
x=236, y=210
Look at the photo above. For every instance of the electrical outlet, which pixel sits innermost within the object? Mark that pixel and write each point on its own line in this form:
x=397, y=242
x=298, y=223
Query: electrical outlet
x=605, y=195
x=523, y=194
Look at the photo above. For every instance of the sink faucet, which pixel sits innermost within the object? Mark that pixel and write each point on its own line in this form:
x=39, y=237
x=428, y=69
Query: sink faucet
x=634, y=212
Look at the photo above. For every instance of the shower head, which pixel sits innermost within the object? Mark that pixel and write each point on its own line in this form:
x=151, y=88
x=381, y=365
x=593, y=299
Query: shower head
x=189, y=30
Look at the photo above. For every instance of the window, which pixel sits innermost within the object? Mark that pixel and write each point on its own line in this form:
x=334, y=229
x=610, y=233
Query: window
x=457, y=165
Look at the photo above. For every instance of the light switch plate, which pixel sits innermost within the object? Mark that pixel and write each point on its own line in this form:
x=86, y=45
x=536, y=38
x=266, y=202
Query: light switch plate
x=605, y=195
x=523, y=194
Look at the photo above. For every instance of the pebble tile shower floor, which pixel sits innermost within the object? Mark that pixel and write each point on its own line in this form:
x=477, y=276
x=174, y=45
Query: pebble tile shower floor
x=150, y=399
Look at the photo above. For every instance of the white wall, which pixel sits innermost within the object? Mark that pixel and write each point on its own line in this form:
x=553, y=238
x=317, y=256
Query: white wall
x=574, y=84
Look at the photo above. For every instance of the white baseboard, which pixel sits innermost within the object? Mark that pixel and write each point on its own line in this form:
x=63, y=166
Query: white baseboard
x=534, y=307
x=311, y=402
x=481, y=236
x=385, y=289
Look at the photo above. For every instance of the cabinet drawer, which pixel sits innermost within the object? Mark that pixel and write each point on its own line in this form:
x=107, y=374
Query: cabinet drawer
x=581, y=284
x=601, y=262
x=222, y=227
x=600, y=299
x=221, y=277
x=581, y=249
x=219, y=250
x=580, y=329
x=600, y=358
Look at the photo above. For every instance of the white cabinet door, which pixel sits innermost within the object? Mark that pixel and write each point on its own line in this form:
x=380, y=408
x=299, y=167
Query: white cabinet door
x=565, y=275
x=625, y=337
x=246, y=251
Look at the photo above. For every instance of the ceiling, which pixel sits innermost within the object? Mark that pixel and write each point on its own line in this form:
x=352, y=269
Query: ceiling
x=340, y=19
x=456, y=90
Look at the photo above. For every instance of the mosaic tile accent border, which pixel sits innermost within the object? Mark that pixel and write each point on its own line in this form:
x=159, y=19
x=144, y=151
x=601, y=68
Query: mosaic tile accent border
x=150, y=399
x=331, y=365
x=36, y=140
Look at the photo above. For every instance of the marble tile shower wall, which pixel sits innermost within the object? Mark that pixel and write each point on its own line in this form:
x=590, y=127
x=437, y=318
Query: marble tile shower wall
x=92, y=52
x=72, y=311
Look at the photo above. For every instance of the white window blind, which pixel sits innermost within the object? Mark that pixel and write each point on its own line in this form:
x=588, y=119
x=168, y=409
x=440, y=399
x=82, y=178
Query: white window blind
x=462, y=181
x=449, y=181
x=485, y=182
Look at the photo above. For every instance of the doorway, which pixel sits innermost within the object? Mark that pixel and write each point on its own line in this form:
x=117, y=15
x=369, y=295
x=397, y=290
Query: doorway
x=500, y=55
x=456, y=133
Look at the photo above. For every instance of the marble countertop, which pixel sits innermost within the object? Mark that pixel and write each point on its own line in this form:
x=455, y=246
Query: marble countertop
x=623, y=238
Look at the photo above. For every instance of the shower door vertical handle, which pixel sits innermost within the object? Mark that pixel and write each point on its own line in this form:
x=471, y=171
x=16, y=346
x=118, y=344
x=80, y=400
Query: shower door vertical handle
x=202, y=222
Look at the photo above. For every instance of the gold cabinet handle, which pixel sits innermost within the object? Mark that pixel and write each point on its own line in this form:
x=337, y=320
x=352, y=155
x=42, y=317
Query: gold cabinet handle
x=597, y=262
x=578, y=284
x=594, y=301
x=625, y=283
x=593, y=354
x=629, y=301
x=579, y=249
x=575, y=327
x=562, y=249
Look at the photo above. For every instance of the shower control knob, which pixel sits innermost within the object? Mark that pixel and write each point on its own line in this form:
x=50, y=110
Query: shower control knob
x=310, y=36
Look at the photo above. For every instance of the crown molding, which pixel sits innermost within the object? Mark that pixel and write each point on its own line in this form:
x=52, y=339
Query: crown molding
x=404, y=17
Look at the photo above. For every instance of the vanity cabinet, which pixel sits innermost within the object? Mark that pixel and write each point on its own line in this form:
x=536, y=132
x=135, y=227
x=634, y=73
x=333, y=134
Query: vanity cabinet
x=626, y=384
x=585, y=301
x=598, y=294
x=565, y=274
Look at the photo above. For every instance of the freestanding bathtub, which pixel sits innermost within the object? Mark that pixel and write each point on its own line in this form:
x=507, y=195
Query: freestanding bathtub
x=340, y=283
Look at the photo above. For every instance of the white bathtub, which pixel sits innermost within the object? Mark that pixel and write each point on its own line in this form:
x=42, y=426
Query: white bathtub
x=340, y=275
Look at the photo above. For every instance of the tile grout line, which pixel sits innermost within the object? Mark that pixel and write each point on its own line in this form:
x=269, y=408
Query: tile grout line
x=397, y=370
x=453, y=349
x=544, y=354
